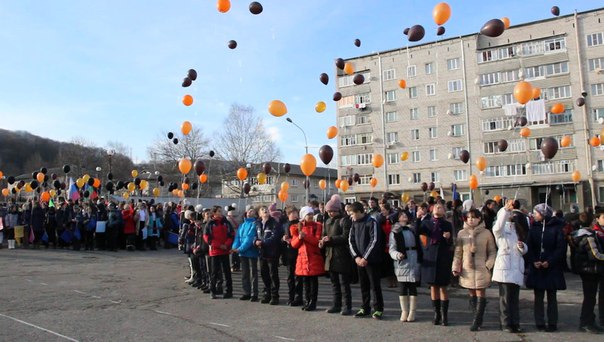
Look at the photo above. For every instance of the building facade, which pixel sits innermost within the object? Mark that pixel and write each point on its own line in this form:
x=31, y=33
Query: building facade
x=458, y=95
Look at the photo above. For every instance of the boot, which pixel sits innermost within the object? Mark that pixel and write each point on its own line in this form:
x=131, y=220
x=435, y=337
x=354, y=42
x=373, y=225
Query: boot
x=191, y=279
x=479, y=313
x=412, y=307
x=337, y=305
x=437, y=315
x=473, y=302
x=11, y=244
x=404, y=301
x=445, y=312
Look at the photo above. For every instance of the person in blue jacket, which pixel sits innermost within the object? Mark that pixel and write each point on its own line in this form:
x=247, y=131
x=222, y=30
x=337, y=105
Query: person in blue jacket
x=248, y=255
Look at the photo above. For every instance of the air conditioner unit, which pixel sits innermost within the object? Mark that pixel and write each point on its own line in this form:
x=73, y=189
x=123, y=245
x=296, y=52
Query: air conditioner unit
x=599, y=70
x=360, y=106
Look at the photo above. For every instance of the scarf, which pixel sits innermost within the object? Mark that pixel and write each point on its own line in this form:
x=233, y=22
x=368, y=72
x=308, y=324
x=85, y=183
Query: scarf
x=436, y=232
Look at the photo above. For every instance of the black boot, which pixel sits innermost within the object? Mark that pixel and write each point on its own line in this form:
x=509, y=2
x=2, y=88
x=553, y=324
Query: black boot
x=445, y=312
x=478, y=314
x=437, y=316
x=473, y=302
x=337, y=305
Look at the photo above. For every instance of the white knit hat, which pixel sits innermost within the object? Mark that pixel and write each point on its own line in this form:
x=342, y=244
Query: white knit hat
x=306, y=211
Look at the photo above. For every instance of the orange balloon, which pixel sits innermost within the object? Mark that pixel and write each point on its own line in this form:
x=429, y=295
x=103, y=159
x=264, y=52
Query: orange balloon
x=373, y=182
x=404, y=156
x=497, y=198
x=5, y=192
x=1, y=174
x=223, y=6
x=344, y=186
x=185, y=186
x=377, y=160
x=536, y=93
x=506, y=22
x=523, y=92
x=525, y=132
x=187, y=100
x=203, y=178
x=402, y=84
x=338, y=183
x=134, y=173
x=185, y=165
x=557, y=108
x=285, y=186
x=322, y=184
x=175, y=192
x=40, y=177
x=308, y=164
x=481, y=163
x=181, y=193
x=242, y=173
x=45, y=196
x=576, y=176
x=565, y=141
x=349, y=68
x=594, y=141
x=332, y=131
x=277, y=108
x=441, y=13
x=283, y=196
x=473, y=183
x=186, y=127
x=156, y=192
x=97, y=183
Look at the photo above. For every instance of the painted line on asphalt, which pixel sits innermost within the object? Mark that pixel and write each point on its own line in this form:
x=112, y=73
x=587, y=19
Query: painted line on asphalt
x=29, y=280
x=43, y=329
x=220, y=325
x=115, y=302
x=284, y=338
x=96, y=297
x=163, y=313
x=80, y=292
x=44, y=284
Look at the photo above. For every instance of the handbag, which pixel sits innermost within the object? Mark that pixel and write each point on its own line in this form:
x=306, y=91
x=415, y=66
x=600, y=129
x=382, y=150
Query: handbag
x=91, y=226
x=101, y=226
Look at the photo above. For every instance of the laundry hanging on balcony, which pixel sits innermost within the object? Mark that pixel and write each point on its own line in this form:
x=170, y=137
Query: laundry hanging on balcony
x=535, y=111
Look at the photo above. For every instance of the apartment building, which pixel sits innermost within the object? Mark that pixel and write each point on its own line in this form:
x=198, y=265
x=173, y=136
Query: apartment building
x=459, y=95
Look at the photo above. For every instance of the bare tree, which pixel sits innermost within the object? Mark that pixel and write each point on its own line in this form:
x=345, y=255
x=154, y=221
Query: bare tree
x=164, y=152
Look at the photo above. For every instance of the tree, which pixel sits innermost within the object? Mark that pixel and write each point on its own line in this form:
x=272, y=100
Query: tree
x=165, y=154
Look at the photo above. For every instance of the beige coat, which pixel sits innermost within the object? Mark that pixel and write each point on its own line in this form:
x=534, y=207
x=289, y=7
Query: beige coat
x=475, y=271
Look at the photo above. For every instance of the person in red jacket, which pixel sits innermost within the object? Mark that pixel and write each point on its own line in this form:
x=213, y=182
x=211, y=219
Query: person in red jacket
x=129, y=226
x=219, y=234
x=310, y=264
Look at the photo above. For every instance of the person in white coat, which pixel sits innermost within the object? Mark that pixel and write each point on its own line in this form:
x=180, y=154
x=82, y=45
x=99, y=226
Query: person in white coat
x=509, y=267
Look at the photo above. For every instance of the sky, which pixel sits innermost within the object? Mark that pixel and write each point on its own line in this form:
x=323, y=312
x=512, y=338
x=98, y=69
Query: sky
x=112, y=70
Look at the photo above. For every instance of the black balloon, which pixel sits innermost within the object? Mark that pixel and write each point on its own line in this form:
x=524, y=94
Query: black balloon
x=464, y=156
x=170, y=135
x=86, y=194
x=431, y=186
x=357, y=42
x=34, y=175
x=56, y=184
x=555, y=11
x=337, y=96
x=137, y=181
x=11, y=180
x=340, y=63
x=324, y=78
x=486, y=192
x=424, y=186
x=34, y=184
x=199, y=167
x=46, y=178
x=267, y=168
x=212, y=153
x=440, y=31
x=549, y=147
x=493, y=28
x=522, y=121
x=246, y=188
x=161, y=183
x=160, y=178
x=43, y=170
x=192, y=74
x=109, y=186
x=406, y=31
x=186, y=181
x=502, y=145
x=256, y=7
x=287, y=168
x=326, y=154
x=186, y=82
x=358, y=79
x=110, y=176
x=194, y=186
x=90, y=181
x=21, y=184
x=357, y=177
x=54, y=176
x=350, y=180
x=416, y=33
x=581, y=101
x=14, y=190
x=66, y=168
x=175, y=141
x=232, y=44
x=63, y=186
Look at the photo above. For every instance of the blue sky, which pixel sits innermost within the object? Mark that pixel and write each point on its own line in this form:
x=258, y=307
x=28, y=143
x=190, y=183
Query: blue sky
x=111, y=70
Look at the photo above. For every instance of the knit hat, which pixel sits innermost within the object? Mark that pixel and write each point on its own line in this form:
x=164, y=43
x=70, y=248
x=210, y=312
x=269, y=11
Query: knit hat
x=199, y=208
x=189, y=214
x=273, y=211
x=334, y=204
x=306, y=211
x=544, y=209
x=467, y=205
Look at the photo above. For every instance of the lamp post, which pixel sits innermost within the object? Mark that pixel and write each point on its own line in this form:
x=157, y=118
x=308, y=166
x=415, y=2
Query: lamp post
x=306, y=184
x=110, y=154
x=98, y=169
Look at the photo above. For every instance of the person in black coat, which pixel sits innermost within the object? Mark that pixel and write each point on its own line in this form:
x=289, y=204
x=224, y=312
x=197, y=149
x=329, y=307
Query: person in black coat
x=436, y=240
x=268, y=239
x=546, y=255
x=294, y=283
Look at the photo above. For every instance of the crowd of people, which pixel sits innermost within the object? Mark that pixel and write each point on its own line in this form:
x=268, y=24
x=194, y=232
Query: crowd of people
x=435, y=243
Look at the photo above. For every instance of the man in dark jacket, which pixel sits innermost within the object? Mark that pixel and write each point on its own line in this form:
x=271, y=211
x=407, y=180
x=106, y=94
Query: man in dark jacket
x=269, y=234
x=489, y=213
x=366, y=247
x=294, y=283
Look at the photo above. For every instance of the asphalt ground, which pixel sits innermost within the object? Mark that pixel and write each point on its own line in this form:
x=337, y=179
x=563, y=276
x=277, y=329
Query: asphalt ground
x=63, y=295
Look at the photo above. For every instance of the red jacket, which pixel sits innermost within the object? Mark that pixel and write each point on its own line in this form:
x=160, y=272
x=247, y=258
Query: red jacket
x=128, y=217
x=219, y=233
x=310, y=260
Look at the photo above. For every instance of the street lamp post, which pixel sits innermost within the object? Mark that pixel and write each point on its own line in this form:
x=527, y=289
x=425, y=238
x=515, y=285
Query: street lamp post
x=307, y=181
x=110, y=154
x=98, y=169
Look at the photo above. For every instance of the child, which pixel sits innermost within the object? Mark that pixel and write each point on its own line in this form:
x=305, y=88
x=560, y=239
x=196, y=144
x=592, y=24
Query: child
x=248, y=255
x=219, y=235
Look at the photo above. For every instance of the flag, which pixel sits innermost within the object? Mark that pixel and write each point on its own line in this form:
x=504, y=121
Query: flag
x=454, y=190
x=73, y=194
x=51, y=203
x=442, y=193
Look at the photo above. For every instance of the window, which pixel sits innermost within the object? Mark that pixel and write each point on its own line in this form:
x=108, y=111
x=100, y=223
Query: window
x=595, y=63
x=508, y=76
x=594, y=39
x=392, y=137
x=490, y=147
x=506, y=170
x=362, y=98
x=391, y=117
x=600, y=167
x=433, y=155
x=457, y=130
x=460, y=175
x=417, y=177
x=390, y=95
x=432, y=133
x=414, y=113
x=415, y=157
x=532, y=48
x=365, y=179
x=412, y=92
x=415, y=134
x=392, y=158
x=430, y=89
x=429, y=68
x=598, y=113
x=295, y=182
x=555, y=44
x=411, y=71
x=456, y=108
x=362, y=119
x=560, y=92
x=431, y=111
x=435, y=176
x=294, y=198
x=597, y=89
x=488, y=79
x=552, y=167
x=394, y=179
x=389, y=74
x=348, y=120
x=493, y=101
x=556, y=69
x=485, y=56
x=455, y=151
x=560, y=119
x=345, y=81
x=455, y=85
x=453, y=63
x=346, y=101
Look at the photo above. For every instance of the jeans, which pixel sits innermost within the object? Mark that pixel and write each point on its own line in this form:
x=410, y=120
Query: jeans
x=311, y=289
x=336, y=288
x=552, y=307
x=294, y=282
x=369, y=279
x=220, y=266
x=269, y=270
x=249, y=276
x=509, y=304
